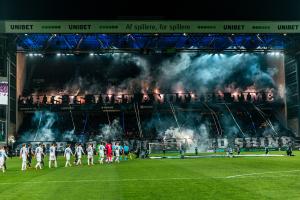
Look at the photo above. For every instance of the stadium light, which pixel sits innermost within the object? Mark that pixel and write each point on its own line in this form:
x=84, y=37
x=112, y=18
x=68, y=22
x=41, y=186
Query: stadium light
x=275, y=53
x=92, y=54
x=58, y=54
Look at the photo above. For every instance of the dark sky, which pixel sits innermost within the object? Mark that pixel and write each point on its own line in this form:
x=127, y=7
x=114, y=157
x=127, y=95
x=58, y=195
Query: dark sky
x=151, y=9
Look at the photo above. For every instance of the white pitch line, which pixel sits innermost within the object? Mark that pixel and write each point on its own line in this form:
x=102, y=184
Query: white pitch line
x=262, y=173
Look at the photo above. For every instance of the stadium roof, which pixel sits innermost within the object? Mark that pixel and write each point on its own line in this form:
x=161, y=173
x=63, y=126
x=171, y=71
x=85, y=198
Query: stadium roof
x=156, y=42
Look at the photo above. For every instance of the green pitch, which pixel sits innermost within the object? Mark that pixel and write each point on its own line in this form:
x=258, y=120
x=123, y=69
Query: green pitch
x=206, y=178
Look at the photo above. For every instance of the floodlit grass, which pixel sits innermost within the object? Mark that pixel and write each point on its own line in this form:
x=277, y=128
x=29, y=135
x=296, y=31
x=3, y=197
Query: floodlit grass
x=217, y=153
x=205, y=178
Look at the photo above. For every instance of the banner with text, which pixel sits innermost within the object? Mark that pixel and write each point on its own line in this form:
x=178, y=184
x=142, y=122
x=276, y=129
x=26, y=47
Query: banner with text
x=130, y=26
x=3, y=93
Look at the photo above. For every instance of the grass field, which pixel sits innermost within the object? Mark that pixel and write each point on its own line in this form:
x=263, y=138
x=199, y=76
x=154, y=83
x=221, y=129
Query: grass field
x=205, y=178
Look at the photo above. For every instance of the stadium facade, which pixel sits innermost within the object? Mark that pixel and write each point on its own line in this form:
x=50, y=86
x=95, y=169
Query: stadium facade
x=20, y=40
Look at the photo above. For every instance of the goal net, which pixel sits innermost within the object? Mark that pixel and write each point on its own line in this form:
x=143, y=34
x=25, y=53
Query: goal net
x=169, y=147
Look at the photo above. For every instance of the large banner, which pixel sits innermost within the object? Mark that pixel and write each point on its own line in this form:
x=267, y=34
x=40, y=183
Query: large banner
x=3, y=93
x=146, y=26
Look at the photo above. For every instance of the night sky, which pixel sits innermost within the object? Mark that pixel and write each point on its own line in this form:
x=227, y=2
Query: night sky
x=113, y=9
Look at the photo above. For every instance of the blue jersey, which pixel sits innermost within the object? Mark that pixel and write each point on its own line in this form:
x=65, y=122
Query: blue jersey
x=121, y=148
x=126, y=148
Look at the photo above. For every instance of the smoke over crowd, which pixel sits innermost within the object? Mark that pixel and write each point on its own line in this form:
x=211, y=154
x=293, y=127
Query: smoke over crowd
x=184, y=72
x=45, y=128
x=128, y=73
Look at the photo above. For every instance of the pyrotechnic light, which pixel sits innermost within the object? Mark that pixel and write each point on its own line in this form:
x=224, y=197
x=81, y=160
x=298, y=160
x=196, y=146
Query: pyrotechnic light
x=180, y=92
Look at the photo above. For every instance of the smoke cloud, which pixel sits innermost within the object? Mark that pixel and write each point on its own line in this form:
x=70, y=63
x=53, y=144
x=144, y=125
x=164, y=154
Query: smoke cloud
x=110, y=132
x=44, y=128
x=189, y=138
x=130, y=72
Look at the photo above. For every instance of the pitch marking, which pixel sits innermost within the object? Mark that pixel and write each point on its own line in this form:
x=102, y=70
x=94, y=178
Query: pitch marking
x=262, y=173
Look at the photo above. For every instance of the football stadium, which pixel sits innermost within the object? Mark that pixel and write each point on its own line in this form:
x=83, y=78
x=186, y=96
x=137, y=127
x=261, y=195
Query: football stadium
x=149, y=109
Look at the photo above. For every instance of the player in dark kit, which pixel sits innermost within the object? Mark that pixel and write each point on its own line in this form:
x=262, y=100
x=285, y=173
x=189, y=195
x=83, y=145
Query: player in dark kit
x=238, y=150
x=76, y=155
x=266, y=150
x=126, y=151
x=164, y=149
x=29, y=155
x=43, y=155
x=289, y=150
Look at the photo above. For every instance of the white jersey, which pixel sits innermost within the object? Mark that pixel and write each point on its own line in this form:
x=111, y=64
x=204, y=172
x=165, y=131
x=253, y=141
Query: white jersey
x=38, y=153
x=2, y=155
x=101, y=150
x=68, y=153
x=23, y=153
x=79, y=151
x=52, y=153
x=90, y=151
x=52, y=150
x=117, y=150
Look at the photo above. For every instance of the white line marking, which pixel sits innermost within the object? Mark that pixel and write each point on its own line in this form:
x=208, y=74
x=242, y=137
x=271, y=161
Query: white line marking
x=262, y=173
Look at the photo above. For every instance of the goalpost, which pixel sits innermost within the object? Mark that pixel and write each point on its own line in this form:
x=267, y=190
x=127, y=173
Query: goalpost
x=169, y=147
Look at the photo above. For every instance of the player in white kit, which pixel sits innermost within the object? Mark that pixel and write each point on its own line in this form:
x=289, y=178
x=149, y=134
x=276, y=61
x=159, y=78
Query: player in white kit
x=101, y=150
x=23, y=156
x=52, y=156
x=3, y=156
x=67, y=155
x=39, y=152
x=90, y=154
x=79, y=152
x=117, y=153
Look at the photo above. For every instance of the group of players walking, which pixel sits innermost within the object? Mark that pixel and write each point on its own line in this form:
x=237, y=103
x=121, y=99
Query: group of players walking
x=107, y=153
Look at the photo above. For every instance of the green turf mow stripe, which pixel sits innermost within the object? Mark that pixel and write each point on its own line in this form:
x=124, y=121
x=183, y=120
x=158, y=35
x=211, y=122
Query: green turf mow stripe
x=149, y=179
